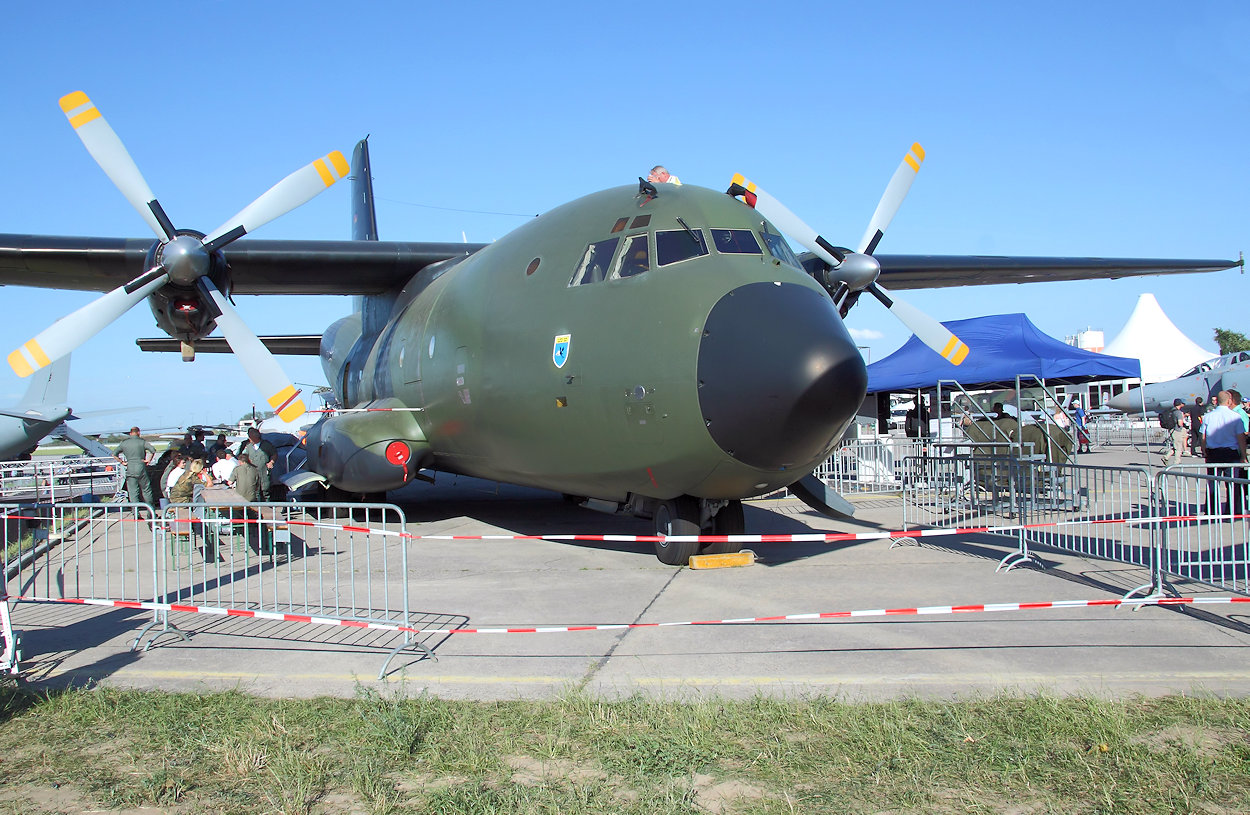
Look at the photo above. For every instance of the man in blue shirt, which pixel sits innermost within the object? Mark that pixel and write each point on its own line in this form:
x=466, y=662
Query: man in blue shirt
x=1224, y=442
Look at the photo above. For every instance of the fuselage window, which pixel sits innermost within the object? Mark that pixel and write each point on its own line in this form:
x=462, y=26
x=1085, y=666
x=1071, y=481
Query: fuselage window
x=735, y=242
x=619, y=225
x=595, y=263
x=640, y=221
x=679, y=244
x=634, y=258
x=779, y=249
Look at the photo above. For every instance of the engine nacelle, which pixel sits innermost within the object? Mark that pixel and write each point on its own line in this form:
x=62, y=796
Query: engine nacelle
x=370, y=451
x=180, y=308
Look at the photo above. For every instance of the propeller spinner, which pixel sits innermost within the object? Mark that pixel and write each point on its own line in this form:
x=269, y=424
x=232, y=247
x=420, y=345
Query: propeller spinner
x=855, y=272
x=181, y=259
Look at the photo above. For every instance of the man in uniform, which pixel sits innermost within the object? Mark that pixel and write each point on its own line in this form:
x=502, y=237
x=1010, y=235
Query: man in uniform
x=137, y=453
x=261, y=453
x=246, y=480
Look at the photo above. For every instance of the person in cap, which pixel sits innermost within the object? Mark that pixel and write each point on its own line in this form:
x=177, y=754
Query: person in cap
x=1176, y=422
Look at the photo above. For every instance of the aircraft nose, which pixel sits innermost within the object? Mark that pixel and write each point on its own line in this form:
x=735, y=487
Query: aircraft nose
x=1127, y=401
x=779, y=376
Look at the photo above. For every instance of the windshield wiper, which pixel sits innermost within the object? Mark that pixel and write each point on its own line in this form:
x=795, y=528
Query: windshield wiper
x=686, y=227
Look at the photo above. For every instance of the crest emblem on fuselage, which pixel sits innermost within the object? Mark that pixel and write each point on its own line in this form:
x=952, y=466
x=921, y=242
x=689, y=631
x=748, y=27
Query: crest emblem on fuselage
x=560, y=351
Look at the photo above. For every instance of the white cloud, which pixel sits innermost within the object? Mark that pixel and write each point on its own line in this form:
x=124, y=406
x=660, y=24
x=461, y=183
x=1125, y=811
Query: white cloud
x=866, y=334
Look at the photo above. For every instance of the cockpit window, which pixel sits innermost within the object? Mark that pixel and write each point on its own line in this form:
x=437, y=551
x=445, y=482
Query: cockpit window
x=595, y=263
x=779, y=249
x=735, y=242
x=634, y=258
x=679, y=244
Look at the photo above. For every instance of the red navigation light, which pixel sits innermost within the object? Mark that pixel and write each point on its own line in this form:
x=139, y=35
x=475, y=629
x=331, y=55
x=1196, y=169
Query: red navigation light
x=397, y=453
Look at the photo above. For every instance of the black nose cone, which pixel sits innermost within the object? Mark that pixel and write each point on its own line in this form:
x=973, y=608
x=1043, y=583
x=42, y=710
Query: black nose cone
x=779, y=376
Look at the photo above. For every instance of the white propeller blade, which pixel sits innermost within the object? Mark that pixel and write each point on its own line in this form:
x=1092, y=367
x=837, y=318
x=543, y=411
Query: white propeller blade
x=927, y=330
x=109, y=152
x=786, y=221
x=259, y=363
x=73, y=330
x=895, y=192
x=296, y=189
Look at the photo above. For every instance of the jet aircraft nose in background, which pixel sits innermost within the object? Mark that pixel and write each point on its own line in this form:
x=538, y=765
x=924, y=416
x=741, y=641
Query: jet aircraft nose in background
x=779, y=376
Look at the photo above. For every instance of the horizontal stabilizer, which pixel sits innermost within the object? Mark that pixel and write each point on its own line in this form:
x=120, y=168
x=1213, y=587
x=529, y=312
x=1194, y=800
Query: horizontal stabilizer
x=308, y=345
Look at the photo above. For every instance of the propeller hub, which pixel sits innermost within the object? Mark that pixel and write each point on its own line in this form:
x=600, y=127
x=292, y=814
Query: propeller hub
x=185, y=259
x=858, y=271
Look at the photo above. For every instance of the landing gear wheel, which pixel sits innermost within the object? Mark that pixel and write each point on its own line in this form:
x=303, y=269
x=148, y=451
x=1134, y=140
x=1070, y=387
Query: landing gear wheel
x=679, y=516
x=729, y=521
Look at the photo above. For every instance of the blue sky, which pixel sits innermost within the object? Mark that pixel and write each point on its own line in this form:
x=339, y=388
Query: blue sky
x=1113, y=129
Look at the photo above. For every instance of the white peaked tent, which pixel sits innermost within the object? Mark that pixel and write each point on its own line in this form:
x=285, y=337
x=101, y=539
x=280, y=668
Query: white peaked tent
x=1149, y=336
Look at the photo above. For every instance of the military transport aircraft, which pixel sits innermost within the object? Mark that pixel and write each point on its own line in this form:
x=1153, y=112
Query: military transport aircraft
x=1200, y=382
x=652, y=349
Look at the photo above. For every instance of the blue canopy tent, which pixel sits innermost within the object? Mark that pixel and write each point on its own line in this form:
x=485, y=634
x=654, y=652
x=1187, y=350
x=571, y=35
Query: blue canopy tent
x=1002, y=348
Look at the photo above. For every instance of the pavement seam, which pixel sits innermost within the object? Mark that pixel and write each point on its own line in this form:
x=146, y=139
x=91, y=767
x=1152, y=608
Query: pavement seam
x=603, y=660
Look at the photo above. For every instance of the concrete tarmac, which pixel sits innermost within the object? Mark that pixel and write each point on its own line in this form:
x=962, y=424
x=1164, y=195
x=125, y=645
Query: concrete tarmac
x=480, y=584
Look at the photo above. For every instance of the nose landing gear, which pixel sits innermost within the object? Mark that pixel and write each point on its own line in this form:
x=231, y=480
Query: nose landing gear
x=686, y=515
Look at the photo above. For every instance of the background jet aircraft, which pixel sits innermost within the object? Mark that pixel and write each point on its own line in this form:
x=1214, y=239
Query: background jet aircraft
x=41, y=410
x=1231, y=371
x=659, y=349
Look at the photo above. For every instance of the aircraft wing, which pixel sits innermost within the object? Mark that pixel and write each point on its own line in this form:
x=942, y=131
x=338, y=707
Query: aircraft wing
x=374, y=267
x=257, y=266
x=939, y=271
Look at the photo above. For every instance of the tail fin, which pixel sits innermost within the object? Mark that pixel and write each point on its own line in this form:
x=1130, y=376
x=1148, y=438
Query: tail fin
x=364, y=219
x=49, y=387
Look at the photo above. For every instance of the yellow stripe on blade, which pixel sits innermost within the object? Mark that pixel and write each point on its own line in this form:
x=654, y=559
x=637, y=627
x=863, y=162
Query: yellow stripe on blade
x=281, y=396
x=918, y=150
x=955, y=351
x=324, y=172
x=292, y=411
x=19, y=364
x=37, y=354
x=340, y=164
x=74, y=100
x=741, y=181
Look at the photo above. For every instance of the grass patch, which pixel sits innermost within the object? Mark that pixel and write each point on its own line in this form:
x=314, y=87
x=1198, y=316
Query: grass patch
x=389, y=753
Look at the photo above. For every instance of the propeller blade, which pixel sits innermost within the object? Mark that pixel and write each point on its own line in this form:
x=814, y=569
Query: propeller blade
x=296, y=189
x=787, y=221
x=895, y=192
x=261, y=365
x=927, y=330
x=109, y=152
x=71, y=331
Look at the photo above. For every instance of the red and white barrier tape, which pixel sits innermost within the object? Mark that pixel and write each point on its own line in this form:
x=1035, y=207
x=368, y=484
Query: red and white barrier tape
x=823, y=615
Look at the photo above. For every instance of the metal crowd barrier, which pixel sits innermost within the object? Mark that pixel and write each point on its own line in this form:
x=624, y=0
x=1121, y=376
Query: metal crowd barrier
x=860, y=466
x=1212, y=549
x=51, y=480
x=342, y=563
x=879, y=465
x=1110, y=513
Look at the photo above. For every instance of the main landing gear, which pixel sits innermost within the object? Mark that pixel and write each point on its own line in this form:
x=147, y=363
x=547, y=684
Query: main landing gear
x=686, y=515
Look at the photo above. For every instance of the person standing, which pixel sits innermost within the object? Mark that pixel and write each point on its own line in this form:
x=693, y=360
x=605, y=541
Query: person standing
x=1078, y=417
x=1175, y=421
x=262, y=454
x=137, y=453
x=1224, y=440
x=246, y=479
x=1195, y=412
